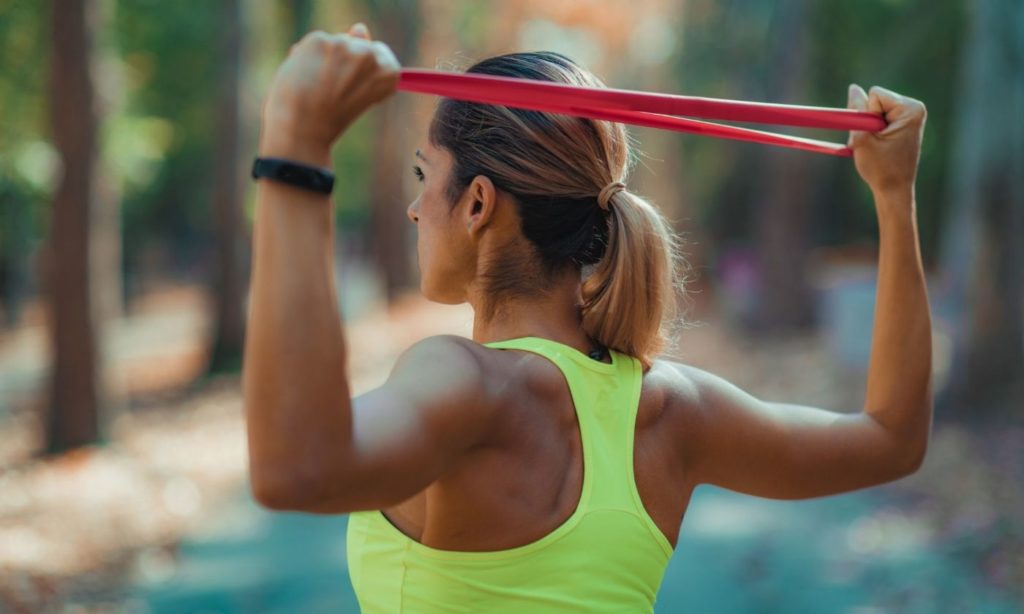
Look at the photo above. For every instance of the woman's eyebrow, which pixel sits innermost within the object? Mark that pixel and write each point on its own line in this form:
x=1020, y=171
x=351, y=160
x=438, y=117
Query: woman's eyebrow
x=421, y=157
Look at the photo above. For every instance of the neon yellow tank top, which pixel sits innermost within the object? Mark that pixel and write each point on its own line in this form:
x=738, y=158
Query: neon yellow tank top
x=609, y=556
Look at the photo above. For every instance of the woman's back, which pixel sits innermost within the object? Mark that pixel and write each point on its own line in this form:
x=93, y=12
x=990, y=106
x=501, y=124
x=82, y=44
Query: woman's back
x=540, y=503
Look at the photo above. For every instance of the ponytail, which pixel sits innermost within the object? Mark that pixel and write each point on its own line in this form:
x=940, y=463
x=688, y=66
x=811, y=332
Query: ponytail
x=630, y=296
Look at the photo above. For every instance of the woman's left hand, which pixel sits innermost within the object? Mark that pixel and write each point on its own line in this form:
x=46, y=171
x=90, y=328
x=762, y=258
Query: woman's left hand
x=323, y=85
x=887, y=160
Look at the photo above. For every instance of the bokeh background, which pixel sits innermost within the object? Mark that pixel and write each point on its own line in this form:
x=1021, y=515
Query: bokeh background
x=127, y=128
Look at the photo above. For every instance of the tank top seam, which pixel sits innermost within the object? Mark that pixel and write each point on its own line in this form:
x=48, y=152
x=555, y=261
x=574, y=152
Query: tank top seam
x=405, y=574
x=412, y=547
x=564, y=350
x=638, y=503
x=641, y=518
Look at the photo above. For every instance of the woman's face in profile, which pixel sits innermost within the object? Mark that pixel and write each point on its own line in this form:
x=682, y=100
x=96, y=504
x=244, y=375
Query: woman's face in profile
x=443, y=253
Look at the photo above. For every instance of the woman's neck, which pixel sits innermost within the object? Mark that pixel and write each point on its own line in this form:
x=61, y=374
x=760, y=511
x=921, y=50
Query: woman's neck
x=554, y=315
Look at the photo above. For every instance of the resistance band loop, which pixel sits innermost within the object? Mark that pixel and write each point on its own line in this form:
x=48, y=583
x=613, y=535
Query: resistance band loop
x=645, y=108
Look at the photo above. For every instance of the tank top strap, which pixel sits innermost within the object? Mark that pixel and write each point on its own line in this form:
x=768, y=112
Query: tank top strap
x=606, y=397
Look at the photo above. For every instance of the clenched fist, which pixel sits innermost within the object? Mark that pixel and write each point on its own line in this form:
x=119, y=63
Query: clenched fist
x=323, y=85
x=887, y=160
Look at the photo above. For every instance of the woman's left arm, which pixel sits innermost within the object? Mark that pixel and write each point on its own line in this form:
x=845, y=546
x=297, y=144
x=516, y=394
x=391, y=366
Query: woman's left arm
x=777, y=450
x=899, y=383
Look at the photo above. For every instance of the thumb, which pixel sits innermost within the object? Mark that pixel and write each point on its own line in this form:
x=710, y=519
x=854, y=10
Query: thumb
x=857, y=99
x=360, y=30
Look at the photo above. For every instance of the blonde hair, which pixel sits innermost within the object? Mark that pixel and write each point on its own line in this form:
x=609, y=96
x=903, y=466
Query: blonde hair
x=555, y=166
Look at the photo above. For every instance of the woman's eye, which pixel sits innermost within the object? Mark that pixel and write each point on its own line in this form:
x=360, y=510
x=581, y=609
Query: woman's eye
x=419, y=173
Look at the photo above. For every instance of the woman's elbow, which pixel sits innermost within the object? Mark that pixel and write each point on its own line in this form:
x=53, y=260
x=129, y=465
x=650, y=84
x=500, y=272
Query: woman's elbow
x=911, y=458
x=917, y=459
x=283, y=488
x=311, y=495
x=918, y=449
x=274, y=493
x=907, y=447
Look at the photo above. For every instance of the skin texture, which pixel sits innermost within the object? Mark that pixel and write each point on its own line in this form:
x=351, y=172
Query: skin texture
x=469, y=448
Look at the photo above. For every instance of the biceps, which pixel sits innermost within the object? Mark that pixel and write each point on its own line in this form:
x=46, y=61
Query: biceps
x=786, y=451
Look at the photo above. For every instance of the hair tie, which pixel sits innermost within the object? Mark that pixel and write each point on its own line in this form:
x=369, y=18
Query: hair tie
x=604, y=198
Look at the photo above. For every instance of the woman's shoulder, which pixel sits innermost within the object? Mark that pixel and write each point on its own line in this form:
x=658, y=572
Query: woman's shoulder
x=677, y=387
x=501, y=377
x=676, y=380
x=456, y=344
x=444, y=353
x=446, y=359
x=694, y=399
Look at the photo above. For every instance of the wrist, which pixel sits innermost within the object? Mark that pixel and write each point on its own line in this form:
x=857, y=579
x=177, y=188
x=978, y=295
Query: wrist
x=894, y=192
x=895, y=205
x=305, y=176
x=278, y=141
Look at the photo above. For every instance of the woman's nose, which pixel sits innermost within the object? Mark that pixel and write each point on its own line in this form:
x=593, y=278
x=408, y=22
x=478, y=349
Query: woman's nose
x=411, y=212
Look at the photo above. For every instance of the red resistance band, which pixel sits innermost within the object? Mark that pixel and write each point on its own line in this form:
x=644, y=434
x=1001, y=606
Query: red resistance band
x=645, y=108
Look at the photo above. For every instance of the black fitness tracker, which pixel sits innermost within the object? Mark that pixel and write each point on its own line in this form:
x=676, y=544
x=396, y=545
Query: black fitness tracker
x=294, y=173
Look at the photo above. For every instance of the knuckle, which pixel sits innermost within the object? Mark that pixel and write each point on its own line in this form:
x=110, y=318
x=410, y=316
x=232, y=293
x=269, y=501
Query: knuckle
x=366, y=57
x=385, y=55
x=315, y=36
x=322, y=42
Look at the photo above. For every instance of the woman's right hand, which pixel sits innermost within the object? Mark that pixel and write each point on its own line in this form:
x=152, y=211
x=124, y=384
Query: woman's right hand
x=887, y=160
x=323, y=85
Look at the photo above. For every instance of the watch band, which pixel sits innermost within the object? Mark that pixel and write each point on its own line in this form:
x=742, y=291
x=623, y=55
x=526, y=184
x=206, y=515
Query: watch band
x=294, y=173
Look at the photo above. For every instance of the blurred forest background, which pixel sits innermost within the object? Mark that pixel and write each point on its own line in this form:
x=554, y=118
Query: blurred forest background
x=127, y=128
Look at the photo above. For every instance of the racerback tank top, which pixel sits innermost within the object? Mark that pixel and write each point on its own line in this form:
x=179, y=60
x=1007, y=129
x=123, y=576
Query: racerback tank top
x=609, y=556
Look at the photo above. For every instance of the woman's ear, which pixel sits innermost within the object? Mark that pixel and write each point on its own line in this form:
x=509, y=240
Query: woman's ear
x=482, y=200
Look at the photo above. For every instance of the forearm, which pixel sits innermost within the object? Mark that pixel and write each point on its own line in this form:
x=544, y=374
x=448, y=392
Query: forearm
x=297, y=399
x=899, y=386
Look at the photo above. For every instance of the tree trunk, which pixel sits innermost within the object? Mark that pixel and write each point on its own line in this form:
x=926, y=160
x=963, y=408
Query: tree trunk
x=77, y=393
x=983, y=256
x=397, y=22
x=783, y=200
x=227, y=200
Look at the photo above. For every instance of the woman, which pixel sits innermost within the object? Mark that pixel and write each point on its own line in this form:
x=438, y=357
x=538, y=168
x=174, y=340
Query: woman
x=545, y=464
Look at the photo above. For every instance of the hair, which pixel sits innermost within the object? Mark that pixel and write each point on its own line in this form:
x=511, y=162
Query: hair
x=554, y=166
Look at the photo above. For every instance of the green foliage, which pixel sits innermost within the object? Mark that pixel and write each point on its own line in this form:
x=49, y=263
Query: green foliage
x=23, y=56
x=169, y=65
x=26, y=160
x=352, y=157
x=910, y=46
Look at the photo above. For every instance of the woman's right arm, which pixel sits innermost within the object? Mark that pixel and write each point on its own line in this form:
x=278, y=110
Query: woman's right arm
x=311, y=446
x=734, y=440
